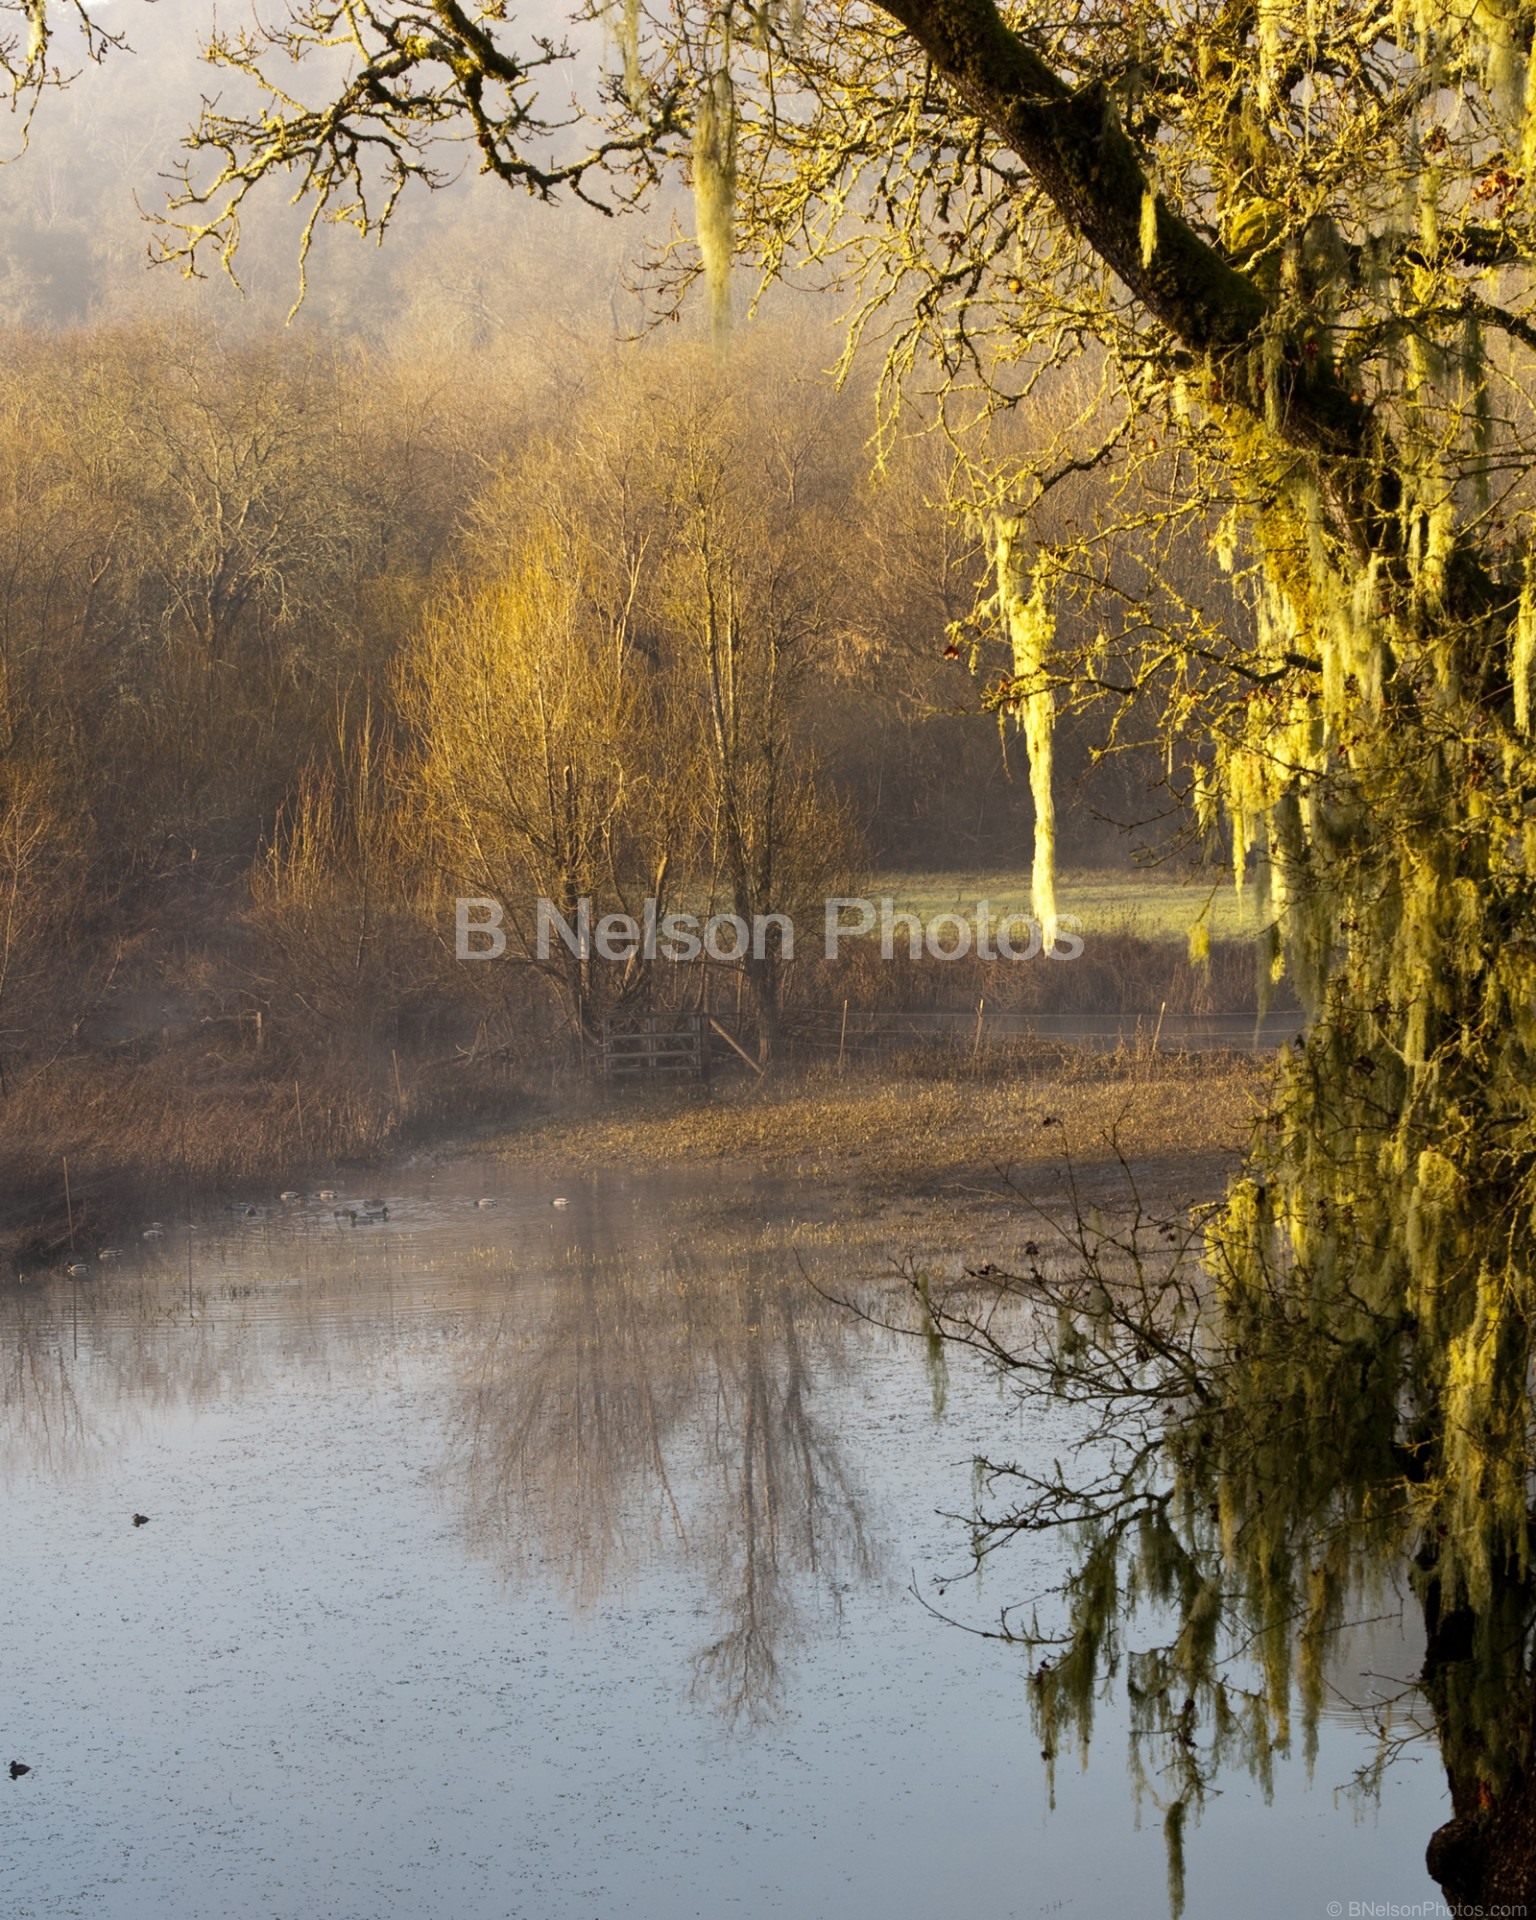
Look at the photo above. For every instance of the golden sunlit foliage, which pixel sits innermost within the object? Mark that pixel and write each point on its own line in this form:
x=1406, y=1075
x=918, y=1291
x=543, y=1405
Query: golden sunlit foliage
x=1281, y=260
x=1299, y=246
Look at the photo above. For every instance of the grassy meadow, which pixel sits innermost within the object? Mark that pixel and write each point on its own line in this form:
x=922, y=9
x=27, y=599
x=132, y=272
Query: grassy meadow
x=1153, y=903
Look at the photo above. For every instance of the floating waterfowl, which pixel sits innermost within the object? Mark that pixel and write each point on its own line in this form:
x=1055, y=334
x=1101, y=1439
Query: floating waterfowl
x=141, y=1519
x=18, y=1768
x=110, y=1253
x=485, y=1203
x=78, y=1268
x=326, y=1193
x=156, y=1232
x=290, y=1198
x=560, y=1201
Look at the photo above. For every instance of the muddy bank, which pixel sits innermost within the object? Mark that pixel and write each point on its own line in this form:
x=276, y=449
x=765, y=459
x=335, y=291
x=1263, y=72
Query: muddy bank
x=124, y=1142
x=921, y=1128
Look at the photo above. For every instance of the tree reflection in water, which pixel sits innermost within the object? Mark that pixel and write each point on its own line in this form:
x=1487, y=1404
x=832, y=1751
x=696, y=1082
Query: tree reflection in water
x=1256, y=1469
x=41, y=1418
x=1244, y=1481
x=671, y=1404
x=76, y=1369
x=628, y=1406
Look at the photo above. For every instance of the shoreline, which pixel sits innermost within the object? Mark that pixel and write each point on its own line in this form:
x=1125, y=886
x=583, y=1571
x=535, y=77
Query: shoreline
x=915, y=1129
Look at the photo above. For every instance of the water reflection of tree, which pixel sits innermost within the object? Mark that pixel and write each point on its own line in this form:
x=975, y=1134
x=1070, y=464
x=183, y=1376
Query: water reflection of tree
x=787, y=1504
x=41, y=1418
x=82, y=1361
x=669, y=1409
x=75, y=1368
x=1256, y=1468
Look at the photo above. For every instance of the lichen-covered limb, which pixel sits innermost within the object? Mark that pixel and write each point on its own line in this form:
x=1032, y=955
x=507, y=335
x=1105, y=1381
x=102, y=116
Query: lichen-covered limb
x=1071, y=141
x=1074, y=147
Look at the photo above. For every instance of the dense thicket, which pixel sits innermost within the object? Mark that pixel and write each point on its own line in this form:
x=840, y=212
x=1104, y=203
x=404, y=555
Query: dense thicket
x=291, y=636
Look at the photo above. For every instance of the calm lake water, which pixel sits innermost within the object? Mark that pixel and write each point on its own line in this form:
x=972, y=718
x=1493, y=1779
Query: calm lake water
x=530, y=1561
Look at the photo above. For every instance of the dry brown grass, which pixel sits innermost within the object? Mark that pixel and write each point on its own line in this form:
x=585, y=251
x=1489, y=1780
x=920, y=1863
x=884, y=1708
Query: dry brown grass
x=160, y=1129
x=904, y=1129
x=1117, y=972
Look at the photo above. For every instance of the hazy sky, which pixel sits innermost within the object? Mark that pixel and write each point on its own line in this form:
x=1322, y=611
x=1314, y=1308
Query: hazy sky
x=76, y=236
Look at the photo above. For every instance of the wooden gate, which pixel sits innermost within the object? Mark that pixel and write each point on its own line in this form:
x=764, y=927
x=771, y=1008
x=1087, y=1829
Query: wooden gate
x=650, y=1046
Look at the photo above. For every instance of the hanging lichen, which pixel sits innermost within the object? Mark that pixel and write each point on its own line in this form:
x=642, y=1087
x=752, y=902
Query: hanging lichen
x=621, y=25
x=634, y=79
x=714, y=192
x=1030, y=627
x=1361, y=714
x=1522, y=660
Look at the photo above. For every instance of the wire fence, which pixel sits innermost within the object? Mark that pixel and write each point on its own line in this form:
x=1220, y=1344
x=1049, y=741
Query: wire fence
x=848, y=1030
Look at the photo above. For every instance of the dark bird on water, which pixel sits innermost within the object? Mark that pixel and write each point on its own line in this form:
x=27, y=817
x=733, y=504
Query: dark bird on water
x=18, y=1768
x=141, y=1519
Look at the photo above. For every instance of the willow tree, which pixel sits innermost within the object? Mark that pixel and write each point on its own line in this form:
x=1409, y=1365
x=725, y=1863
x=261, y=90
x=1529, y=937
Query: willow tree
x=1296, y=245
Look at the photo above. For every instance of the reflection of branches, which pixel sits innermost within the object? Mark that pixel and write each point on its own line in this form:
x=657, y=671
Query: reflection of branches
x=567, y=1426
x=41, y=1419
x=584, y=1442
x=794, y=1507
x=128, y=1344
x=1237, y=1483
x=740, y=1669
